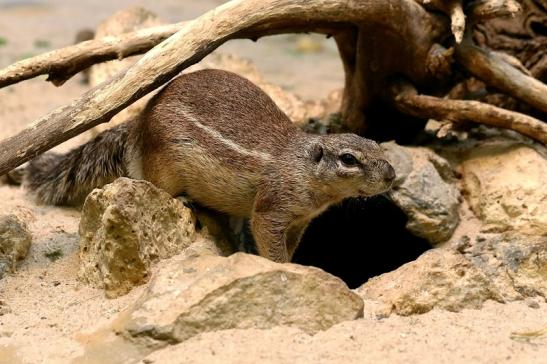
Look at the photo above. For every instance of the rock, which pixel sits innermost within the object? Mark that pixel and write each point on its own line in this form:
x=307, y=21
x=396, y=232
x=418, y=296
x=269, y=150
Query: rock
x=503, y=267
x=504, y=183
x=4, y=267
x=209, y=293
x=426, y=192
x=401, y=160
x=532, y=303
x=438, y=278
x=516, y=263
x=15, y=239
x=125, y=227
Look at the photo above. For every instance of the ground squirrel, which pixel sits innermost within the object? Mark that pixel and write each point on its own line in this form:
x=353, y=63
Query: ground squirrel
x=221, y=141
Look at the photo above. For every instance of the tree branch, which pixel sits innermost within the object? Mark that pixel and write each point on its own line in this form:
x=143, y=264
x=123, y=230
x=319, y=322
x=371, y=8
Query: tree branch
x=457, y=20
x=496, y=72
x=62, y=64
x=454, y=10
x=407, y=100
x=489, y=9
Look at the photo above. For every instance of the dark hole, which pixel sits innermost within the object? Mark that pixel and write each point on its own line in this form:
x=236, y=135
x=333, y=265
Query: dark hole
x=359, y=239
x=538, y=28
x=356, y=240
x=385, y=124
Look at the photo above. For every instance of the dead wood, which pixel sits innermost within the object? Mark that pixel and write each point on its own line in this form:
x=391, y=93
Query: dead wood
x=454, y=10
x=407, y=100
x=62, y=64
x=480, y=10
x=496, y=72
x=523, y=36
x=373, y=51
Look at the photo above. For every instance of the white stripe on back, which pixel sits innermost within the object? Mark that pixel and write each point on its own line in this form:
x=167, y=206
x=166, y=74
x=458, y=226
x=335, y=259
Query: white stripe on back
x=229, y=143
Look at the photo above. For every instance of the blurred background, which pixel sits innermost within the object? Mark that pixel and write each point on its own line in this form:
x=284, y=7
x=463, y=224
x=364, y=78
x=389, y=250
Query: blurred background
x=305, y=64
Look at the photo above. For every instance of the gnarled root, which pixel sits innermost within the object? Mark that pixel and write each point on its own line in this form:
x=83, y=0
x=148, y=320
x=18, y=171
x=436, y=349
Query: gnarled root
x=407, y=100
x=496, y=72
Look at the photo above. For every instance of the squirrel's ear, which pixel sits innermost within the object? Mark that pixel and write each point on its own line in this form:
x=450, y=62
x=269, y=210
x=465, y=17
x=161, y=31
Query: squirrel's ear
x=317, y=152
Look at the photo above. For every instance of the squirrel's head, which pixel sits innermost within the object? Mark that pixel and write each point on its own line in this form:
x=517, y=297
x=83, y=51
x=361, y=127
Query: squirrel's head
x=348, y=165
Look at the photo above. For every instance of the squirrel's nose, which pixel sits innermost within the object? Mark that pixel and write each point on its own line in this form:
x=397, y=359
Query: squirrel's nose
x=389, y=172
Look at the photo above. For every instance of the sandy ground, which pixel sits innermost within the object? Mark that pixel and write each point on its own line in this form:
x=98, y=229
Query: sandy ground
x=496, y=334
x=46, y=308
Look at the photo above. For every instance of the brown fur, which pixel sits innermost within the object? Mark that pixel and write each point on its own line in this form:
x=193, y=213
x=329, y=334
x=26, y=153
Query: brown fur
x=66, y=179
x=220, y=140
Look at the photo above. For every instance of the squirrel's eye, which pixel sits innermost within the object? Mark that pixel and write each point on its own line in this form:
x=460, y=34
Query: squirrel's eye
x=348, y=159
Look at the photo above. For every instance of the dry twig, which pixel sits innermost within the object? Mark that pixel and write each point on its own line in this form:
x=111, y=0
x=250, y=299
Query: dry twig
x=407, y=100
x=489, y=9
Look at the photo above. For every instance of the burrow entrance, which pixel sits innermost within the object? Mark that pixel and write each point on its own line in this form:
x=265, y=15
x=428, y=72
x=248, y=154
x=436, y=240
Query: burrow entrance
x=359, y=239
x=355, y=240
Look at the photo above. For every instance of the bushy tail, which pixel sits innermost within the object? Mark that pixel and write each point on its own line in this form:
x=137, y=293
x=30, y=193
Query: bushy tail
x=66, y=179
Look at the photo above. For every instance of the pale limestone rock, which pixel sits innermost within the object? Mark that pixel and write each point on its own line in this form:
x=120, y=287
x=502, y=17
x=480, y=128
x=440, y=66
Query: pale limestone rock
x=504, y=183
x=516, y=263
x=438, y=278
x=125, y=227
x=502, y=267
x=426, y=192
x=15, y=240
x=194, y=295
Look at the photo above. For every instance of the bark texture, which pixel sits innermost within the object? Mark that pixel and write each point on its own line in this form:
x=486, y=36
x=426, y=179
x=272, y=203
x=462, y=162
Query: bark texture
x=523, y=36
x=408, y=101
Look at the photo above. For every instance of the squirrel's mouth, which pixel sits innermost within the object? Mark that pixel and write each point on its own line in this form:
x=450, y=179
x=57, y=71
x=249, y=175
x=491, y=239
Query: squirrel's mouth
x=372, y=193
